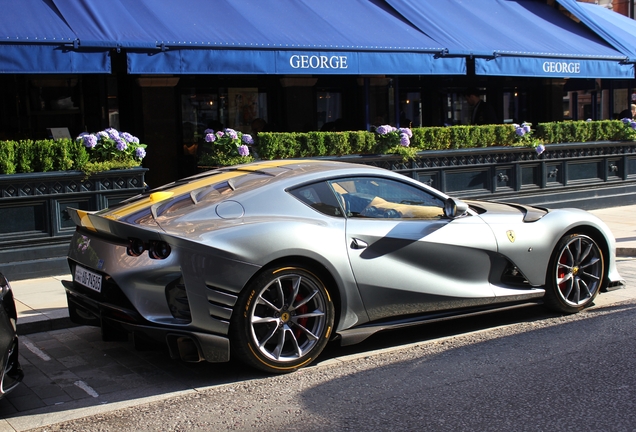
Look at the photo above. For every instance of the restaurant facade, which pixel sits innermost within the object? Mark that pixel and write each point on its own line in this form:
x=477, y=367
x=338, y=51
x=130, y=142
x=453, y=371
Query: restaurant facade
x=165, y=72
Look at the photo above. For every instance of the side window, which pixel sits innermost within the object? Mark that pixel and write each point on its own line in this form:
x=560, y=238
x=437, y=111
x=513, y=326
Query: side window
x=320, y=197
x=372, y=197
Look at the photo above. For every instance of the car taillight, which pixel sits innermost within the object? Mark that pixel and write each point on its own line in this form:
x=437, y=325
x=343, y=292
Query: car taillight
x=156, y=249
x=135, y=247
x=159, y=250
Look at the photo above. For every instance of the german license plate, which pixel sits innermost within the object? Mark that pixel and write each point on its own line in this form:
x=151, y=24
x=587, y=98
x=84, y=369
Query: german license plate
x=88, y=278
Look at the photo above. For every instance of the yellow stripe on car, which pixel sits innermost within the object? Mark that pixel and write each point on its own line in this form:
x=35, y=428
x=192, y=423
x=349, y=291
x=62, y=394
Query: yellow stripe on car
x=156, y=197
x=85, y=221
x=159, y=196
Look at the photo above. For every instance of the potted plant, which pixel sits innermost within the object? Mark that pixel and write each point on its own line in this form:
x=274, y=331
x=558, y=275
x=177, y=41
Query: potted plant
x=225, y=147
x=40, y=179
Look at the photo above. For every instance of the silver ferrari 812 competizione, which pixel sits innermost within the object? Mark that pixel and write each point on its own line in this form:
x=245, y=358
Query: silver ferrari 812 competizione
x=267, y=262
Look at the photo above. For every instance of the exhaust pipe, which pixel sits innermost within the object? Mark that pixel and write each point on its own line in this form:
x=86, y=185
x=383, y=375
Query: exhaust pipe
x=185, y=348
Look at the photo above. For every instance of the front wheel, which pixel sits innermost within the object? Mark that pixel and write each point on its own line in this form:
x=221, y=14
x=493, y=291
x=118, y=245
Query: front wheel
x=282, y=320
x=575, y=274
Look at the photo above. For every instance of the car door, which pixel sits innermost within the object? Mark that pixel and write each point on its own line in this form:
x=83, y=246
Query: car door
x=407, y=258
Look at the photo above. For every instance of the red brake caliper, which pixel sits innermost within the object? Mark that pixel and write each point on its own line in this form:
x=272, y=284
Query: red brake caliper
x=302, y=321
x=561, y=272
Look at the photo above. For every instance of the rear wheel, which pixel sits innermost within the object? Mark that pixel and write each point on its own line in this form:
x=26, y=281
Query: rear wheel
x=575, y=274
x=282, y=321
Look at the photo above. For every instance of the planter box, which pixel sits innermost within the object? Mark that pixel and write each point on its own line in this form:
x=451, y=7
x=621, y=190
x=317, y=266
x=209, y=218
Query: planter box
x=36, y=229
x=587, y=175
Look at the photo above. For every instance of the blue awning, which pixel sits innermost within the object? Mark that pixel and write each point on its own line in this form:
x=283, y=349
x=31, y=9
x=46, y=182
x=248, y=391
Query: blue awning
x=289, y=62
x=259, y=37
x=34, y=38
x=51, y=59
x=618, y=30
x=356, y=37
x=516, y=38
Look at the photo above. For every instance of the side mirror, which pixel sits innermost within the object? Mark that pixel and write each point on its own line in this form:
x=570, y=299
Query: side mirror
x=454, y=208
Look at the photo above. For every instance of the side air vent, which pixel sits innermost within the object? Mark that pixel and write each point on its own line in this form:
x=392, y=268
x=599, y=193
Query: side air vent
x=221, y=303
x=512, y=276
x=177, y=299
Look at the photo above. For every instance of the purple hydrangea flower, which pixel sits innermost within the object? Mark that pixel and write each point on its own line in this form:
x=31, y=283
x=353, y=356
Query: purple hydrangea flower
x=121, y=144
x=90, y=141
x=112, y=133
x=406, y=131
x=127, y=137
x=208, y=131
x=102, y=134
x=219, y=134
x=540, y=149
x=633, y=125
x=526, y=127
x=247, y=139
x=626, y=120
x=404, y=140
x=210, y=137
x=232, y=133
x=244, y=150
x=135, y=140
x=383, y=130
x=140, y=152
x=520, y=131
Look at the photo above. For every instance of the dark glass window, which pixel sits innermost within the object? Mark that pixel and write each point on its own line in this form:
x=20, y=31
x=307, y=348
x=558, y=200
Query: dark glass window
x=371, y=197
x=320, y=197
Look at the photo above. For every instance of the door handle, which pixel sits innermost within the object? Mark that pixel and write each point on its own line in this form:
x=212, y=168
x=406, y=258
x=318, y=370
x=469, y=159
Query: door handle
x=358, y=244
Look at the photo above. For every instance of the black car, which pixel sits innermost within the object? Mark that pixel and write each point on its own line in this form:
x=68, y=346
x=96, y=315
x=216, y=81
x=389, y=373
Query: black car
x=10, y=372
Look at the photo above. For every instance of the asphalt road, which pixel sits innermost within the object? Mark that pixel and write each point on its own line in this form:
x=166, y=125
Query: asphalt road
x=520, y=370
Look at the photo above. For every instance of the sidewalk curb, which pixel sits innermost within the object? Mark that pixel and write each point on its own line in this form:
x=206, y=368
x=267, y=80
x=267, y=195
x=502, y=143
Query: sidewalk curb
x=43, y=325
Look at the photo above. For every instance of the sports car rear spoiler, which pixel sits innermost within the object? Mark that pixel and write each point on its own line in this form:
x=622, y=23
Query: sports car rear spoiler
x=92, y=221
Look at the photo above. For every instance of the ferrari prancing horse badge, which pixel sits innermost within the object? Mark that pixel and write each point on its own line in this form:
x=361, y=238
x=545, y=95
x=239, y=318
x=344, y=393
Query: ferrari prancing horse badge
x=511, y=235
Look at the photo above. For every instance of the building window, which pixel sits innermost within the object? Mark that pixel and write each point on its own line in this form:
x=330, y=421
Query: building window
x=200, y=110
x=328, y=109
x=245, y=106
x=411, y=110
x=113, y=103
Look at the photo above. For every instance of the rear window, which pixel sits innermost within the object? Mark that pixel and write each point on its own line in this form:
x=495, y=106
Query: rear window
x=320, y=197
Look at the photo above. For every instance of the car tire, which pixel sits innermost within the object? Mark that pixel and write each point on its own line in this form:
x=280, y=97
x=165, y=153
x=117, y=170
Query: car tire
x=575, y=274
x=282, y=320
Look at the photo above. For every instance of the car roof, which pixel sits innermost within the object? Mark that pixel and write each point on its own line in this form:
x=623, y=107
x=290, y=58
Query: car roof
x=281, y=170
x=284, y=173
